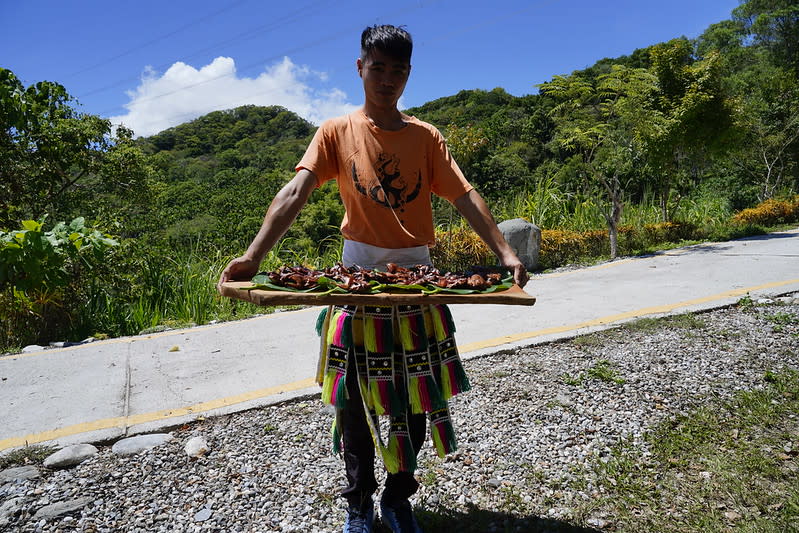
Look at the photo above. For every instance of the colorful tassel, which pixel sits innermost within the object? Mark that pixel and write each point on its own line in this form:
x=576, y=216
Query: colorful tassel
x=453, y=376
x=448, y=319
x=340, y=331
x=423, y=392
x=322, y=326
x=320, y=320
x=413, y=336
x=383, y=397
x=399, y=453
x=378, y=329
x=442, y=432
x=335, y=433
x=378, y=343
x=334, y=389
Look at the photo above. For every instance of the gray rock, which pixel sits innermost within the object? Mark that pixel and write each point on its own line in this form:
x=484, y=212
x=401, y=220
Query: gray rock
x=19, y=472
x=32, y=348
x=203, y=515
x=140, y=443
x=59, y=508
x=10, y=507
x=564, y=400
x=70, y=456
x=196, y=447
x=599, y=523
x=525, y=239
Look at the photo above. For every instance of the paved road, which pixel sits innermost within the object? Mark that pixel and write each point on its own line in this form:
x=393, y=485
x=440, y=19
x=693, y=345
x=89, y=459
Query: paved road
x=108, y=389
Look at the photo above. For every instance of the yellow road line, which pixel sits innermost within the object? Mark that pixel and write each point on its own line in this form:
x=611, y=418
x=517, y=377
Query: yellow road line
x=660, y=309
x=165, y=414
x=122, y=422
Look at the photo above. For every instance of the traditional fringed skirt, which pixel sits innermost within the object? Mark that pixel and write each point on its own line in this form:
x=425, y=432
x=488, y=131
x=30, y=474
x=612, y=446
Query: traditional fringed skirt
x=406, y=361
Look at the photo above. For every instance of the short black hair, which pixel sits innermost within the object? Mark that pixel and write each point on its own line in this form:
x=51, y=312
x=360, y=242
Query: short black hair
x=393, y=41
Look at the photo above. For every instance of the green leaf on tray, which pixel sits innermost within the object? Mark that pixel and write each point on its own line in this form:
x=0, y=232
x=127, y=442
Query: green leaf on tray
x=328, y=286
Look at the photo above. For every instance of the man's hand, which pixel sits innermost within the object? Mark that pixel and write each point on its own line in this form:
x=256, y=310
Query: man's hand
x=239, y=269
x=520, y=276
x=474, y=209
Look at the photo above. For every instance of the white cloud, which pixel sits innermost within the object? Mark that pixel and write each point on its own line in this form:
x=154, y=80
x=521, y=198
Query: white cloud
x=184, y=93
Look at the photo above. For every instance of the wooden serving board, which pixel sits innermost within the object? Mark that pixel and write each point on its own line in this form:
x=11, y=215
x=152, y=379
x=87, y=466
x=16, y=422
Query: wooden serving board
x=233, y=289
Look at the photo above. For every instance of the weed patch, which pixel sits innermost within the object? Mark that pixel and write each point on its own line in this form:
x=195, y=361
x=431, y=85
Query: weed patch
x=728, y=466
x=34, y=454
x=601, y=370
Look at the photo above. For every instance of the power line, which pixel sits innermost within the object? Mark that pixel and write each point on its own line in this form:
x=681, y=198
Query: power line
x=330, y=37
x=155, y=40
x=489, y=22
x=294, y=15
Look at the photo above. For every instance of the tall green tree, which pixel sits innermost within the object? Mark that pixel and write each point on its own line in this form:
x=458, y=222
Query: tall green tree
x=692, y=122
x=774, y=25
x=598, y=121
x=765, y=92
x=52, y=157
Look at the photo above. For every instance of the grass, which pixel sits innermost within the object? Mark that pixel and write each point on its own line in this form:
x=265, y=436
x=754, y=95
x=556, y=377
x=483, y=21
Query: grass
x=34, y=454
x=685, y=321
x=783, y=319
x=602, y=370
x=725, y=466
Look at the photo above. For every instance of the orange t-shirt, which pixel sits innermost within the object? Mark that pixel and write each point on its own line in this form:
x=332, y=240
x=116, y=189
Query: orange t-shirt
x=385, y=177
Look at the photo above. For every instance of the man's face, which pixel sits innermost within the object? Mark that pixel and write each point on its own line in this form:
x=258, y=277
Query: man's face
x=384, y=78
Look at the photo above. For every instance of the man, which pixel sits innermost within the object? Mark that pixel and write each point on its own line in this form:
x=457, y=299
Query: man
x=386, y=165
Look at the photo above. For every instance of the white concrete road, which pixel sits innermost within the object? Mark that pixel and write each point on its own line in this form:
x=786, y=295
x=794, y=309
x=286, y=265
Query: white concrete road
x=108, y=389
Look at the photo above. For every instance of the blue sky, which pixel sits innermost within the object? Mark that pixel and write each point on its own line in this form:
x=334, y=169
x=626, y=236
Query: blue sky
x=154, y=64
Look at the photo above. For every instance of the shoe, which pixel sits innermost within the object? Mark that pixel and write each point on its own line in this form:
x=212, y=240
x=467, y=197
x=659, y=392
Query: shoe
x=398, y=516
x=359, y=520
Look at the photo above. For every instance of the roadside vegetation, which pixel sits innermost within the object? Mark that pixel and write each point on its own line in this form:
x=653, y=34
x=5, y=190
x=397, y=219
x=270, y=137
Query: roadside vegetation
x=103, y=234
x=725, y=466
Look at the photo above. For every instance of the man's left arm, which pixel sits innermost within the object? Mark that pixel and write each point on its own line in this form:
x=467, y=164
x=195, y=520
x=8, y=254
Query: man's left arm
x=474, y=209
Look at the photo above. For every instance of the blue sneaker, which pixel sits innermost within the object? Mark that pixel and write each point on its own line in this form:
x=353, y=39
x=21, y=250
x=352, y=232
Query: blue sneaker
x=399, y=516
x=359, y=520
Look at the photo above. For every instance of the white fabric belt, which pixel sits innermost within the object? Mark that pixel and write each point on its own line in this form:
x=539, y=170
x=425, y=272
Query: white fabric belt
x=375, y=257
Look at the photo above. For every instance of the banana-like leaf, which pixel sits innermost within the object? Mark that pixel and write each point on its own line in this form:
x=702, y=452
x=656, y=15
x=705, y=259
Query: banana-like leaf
x=326, y=285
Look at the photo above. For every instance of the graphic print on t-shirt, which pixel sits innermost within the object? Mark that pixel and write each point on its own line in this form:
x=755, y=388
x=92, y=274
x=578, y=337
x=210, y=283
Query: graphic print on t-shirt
x=388, y=187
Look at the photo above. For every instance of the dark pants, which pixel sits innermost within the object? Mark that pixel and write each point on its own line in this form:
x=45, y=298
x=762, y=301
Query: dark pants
x=359, y=449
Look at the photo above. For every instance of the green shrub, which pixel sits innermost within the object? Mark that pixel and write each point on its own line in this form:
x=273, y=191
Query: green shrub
x=42, y=278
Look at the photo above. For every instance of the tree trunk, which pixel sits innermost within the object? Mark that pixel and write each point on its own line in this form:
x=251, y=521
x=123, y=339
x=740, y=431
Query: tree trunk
x=614, y=217
x=664, y=204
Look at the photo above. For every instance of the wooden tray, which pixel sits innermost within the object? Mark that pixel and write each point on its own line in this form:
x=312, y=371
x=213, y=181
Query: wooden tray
x=233, y=289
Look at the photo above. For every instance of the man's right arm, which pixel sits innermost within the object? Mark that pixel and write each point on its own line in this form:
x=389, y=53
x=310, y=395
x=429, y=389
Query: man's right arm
x=281, y=214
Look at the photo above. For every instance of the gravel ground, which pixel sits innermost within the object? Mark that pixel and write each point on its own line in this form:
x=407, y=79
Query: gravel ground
x=528, y=431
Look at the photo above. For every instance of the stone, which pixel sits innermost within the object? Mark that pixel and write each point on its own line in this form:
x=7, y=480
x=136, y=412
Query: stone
x=564, y=400
x=196, y=447
x=203, y=515
x=10, y=507
x=32, y=348
x=59, y=508
x=70, y=456
x=598, y=523
x=525, y=239
x=140, y=443
x=19, y=473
